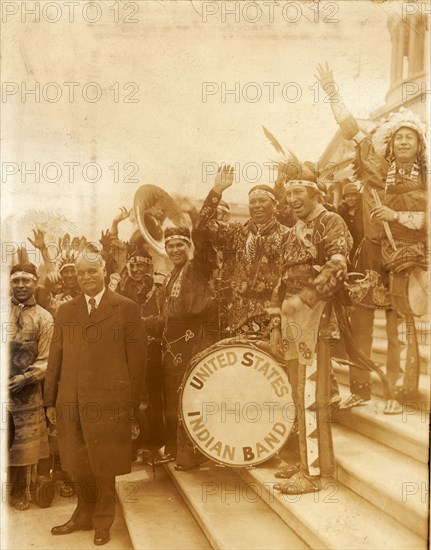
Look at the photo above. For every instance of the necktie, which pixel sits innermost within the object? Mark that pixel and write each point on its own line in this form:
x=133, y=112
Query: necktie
x=92, y=303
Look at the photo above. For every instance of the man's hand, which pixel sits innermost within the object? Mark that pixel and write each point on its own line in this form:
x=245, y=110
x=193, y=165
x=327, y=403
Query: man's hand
x=17, y=383
x=51, y=415
x=38, y=240
x=276, y=342
x=325, y=77
x=224, y=178
x=123, y=215
x=105, y=239
x=292, y=305
x=383, y=214
x=65, y=299
x=135, y=429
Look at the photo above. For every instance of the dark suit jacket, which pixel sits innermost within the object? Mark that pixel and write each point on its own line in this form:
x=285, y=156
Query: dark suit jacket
x=96, y=369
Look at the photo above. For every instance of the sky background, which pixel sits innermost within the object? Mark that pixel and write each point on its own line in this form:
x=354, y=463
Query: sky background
x=170, y=134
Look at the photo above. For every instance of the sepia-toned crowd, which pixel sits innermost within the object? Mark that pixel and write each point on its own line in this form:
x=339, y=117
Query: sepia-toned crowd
x=100, y=345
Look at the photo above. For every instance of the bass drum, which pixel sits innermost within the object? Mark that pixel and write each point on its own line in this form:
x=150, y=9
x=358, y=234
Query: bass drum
x=236, y=403
x=409, y=291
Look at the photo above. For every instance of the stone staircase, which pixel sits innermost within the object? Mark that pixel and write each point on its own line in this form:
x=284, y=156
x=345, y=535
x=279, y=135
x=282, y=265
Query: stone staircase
x=423, y=329
x=155, y=513
x=378, y=498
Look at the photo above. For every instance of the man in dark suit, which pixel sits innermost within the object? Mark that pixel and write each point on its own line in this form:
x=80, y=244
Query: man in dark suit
x=95, y=371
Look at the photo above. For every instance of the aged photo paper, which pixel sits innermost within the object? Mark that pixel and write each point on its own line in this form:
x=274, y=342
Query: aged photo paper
x=284, y=145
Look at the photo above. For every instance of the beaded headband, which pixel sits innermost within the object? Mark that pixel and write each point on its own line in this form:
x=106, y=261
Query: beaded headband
x=301, y=183
x=179, y=237
x=140, y=260
x=22, y=275
x=66, y=265
x=256, y=192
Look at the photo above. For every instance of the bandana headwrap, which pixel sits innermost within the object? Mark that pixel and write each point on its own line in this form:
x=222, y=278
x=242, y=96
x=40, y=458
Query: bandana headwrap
x=304, y=231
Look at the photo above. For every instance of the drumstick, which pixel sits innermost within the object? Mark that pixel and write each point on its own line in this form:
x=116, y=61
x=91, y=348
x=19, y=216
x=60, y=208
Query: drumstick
x=385, y=223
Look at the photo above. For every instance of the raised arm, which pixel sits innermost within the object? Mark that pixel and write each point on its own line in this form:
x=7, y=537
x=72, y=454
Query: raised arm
x=223, y=180
x=205, y=255
x=342, y=115
x=370, y=164
x=38, y=241
x=123, y=215
x=115, y=250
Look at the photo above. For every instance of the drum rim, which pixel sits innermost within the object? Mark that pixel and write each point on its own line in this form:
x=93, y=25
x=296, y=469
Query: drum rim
x=192, y=364
x=401, y=303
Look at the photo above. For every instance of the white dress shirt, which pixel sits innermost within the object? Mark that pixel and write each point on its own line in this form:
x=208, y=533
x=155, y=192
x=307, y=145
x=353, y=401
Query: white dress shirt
x=98, y=297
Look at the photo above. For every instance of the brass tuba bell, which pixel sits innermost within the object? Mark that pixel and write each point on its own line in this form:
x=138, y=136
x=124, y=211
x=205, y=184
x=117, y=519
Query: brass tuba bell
x=155, y=210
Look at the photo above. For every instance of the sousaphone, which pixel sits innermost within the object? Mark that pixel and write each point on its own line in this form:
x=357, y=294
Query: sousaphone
x=155, y=211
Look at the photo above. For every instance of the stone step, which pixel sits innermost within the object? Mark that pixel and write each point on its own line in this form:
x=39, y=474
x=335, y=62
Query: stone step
x=379, y=331
x=155, y=514
x=423, y=334
x=425, y=319
x=379, y=352
x=229, y=510
x=407, y=432
x=335, y=517
x=422, y=327
x=391, y=481
x=342, y=375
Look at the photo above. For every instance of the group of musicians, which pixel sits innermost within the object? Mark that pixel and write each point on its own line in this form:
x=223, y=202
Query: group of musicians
x=278, y=278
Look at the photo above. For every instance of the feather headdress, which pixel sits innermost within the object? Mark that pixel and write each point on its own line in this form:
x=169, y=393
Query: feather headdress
x=69, y=250
x=288, y=163
x=404, y=118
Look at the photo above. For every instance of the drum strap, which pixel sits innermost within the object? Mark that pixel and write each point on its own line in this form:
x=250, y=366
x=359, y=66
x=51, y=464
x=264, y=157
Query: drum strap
x=355, y=354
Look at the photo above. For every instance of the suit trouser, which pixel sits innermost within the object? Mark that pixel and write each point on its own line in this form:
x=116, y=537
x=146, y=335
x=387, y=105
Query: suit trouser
x=95, y=493
x=96, y=501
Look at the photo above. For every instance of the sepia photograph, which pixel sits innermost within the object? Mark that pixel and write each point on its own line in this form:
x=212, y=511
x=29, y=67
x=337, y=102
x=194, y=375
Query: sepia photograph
x=215, y=274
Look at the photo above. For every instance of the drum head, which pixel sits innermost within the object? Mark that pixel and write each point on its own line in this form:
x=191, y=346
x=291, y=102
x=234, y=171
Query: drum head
x=236, y=404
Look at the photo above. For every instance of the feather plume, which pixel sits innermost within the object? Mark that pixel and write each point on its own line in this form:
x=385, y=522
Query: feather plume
x=286, y=156
x=273, y=141
x=291, y=157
